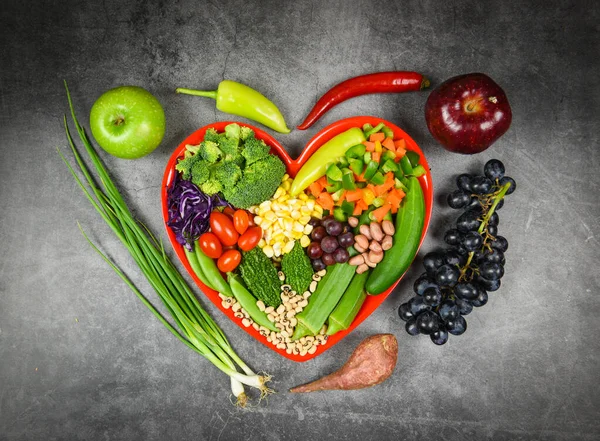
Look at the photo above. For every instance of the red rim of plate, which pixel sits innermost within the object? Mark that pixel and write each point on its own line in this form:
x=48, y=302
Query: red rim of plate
x=372, y=302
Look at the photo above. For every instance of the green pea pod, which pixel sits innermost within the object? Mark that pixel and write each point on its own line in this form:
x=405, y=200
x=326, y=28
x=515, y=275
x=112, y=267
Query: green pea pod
x=409, y=225
x=211, y=272
x=248, y=302
x=316, y=166
x=239, y=99
x=193, y=261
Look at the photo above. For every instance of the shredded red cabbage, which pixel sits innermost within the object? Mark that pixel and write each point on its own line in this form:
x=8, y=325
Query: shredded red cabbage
x=189, y=210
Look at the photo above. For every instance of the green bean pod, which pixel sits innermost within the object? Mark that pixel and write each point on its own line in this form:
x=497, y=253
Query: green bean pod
x=409, y=225
x=325, y=298
x=193, y=261
x=248, y=302
x=211, y=272
x=347, y=308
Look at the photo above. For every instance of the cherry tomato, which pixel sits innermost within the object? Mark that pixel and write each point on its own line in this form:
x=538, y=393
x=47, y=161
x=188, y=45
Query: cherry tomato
x=222, y=226
x=229, y=211
x=210, y=245
x=229, y=261
x=241, y=221
x=250, y=238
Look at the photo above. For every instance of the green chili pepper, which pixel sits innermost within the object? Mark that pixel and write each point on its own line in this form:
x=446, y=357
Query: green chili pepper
x=316, y=165
x=239, y=99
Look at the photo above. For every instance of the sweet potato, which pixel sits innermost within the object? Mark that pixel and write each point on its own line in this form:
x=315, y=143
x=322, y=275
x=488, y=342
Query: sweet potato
x=372, y=362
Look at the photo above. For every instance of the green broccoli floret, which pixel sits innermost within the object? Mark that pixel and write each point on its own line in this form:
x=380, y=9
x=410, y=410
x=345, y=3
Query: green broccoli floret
x=229, y=147
x=258, y=182
x=211, y=187
x=232, y=131
x=210, y=151
x=254, y=150
x=246, y=132
x=211, y=135
x=227, y=173
x=200, y=172
x=186, y=164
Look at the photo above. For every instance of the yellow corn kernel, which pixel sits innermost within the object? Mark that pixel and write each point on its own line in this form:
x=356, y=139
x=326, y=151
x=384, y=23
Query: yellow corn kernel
x=268, y=250
x=283, y=198
x=285, y=177
x=258, y=220
x=304, y=220
x=305, y=240
x=296, y=215
x=318, y=208
x=303, y=197
x=308, y=229
x=270, y=216
x=298, y=227
x=279, y=237
x=318, y=215
x=288, y=246
x=286, y=185
x=262, y=243
x=297, y=235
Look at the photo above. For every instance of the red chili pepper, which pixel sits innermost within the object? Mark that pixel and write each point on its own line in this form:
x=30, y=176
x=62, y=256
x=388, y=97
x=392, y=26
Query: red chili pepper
x=380, y=82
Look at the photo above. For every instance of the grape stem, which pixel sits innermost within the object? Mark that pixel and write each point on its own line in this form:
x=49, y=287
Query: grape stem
x=498, y=196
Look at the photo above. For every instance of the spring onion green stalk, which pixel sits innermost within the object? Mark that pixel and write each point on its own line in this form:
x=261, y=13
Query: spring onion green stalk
x=192, y=324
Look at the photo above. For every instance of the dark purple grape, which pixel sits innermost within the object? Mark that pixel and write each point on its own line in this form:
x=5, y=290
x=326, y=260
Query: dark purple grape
x=457, y=326
x=458, y=199
x=489, y=285
x=481, y=185
x=513, y=184
x=492, y=230
x=468, y=221
x=341, y=255
x=453, y=237
x=346, y=239
x=494, y=219
x=318, y=265
x=472, y=241
x=318, y=233
x=500, y=243
x=448, y=310
x=447, y=275
x=404, y=312
x=439, y=337
x=314, y=251
x=428, y=322
x=417, y=305
x=464, y=306
x=453, y=257
x=494, y=169
x=500, y=204
x=314, y=222
x=423, y=282
x=411, y=327
x=432, y=296
x=432, y=261
x=474, y=206
x=481, y=299
x=334, y=228
x=463, y=182
x=329, y=244
x=466, y=291
x=328, y=259
x=327, y=220
x=493, y=256
x=491, y=271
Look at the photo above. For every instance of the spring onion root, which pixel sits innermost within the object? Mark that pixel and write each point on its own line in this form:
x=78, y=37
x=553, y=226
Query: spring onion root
x=190, y=323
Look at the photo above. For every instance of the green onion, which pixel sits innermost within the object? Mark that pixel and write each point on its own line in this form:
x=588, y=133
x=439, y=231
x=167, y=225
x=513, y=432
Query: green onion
x=192, y=324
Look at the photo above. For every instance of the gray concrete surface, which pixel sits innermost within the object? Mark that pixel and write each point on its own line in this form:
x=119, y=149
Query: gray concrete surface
x=82, y=359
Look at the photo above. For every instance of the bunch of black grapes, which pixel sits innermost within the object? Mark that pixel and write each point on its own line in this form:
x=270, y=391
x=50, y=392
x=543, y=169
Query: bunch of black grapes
x=459, y=277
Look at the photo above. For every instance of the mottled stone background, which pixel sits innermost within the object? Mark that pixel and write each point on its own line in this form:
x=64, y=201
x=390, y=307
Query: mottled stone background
x=82, y=359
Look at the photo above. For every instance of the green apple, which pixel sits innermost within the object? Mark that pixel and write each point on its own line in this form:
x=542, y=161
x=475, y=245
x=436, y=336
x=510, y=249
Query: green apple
x=127, y=122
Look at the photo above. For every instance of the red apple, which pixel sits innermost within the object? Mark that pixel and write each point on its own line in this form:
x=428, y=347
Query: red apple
x=468, y=113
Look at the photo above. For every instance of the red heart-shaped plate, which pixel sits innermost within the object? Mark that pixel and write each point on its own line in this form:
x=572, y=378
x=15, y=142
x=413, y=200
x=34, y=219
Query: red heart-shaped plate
x=372, y=302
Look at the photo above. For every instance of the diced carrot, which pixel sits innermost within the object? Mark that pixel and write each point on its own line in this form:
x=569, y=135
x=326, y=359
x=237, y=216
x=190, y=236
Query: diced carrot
x=376, y=156
x=379, y=213
x=354, y=195
x=369, y=145
x=341, y=199
x=315, y=188
x=359, y=208
x=325, y=200
x=361, y=177
x=389, y=176
x=400, y=145
x=388, y=143
x=384, y=188
x=394, y=197
x=323, y=181
x=379, y=136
